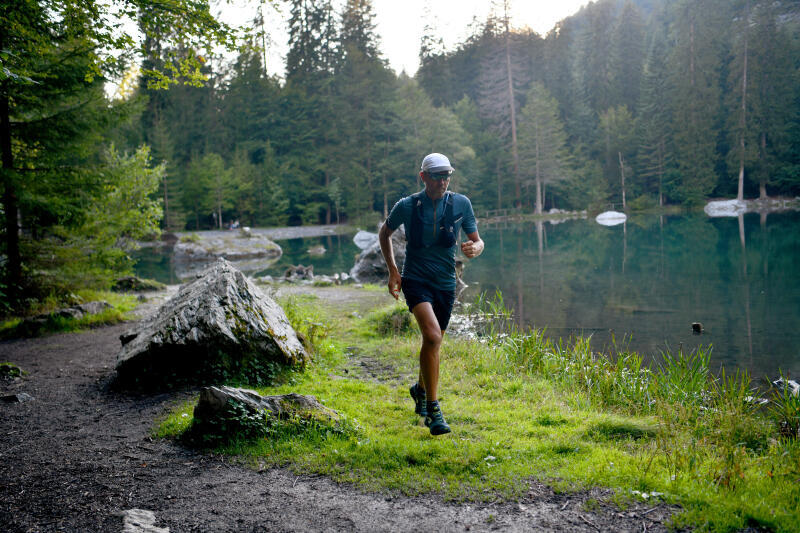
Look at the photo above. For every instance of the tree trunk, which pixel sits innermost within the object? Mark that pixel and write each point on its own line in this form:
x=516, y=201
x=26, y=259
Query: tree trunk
x=10, y=206
x=661, y=150
x=328, y=207
x=762, y=181
x=743, y=120
x=622, y=174
x=499, y=186
x=538, y=177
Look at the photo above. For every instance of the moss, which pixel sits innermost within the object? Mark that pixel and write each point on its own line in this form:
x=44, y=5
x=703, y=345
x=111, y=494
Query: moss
x=10, y=371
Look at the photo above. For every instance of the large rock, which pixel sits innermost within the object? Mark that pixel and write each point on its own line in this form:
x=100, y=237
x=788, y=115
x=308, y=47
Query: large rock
x=725, y=208
x=370, y=266
x=365, y=239
x=220, y=326
x=611, y=218
x=231, y=245
x=214, y=400
x=226, y=413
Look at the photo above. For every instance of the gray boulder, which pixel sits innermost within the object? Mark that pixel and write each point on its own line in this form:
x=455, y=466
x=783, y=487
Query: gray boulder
x=214, y=400
x=370, y=266
x=226, y=413
x=365, y=239
x=234, y=246
x=219, y=326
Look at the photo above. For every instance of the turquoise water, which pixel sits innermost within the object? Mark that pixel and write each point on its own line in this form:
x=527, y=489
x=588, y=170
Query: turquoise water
x=640, y=285
x=643, y=284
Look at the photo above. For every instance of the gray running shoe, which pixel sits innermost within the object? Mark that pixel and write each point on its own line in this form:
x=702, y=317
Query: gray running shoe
x=418, y=395
x=436, y=422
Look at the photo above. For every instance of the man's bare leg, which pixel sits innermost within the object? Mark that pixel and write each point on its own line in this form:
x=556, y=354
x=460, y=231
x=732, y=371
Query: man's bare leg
x=429, y=352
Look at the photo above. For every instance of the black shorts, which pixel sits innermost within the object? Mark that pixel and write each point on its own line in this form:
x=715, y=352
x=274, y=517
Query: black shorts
x=441, y=301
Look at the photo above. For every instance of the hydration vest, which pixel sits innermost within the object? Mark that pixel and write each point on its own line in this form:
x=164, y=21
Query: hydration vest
x=446, y=237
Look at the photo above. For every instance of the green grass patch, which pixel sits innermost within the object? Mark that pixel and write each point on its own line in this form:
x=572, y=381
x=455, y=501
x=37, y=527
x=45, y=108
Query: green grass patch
x=393, y=320
x=190, y=238
x=523, y=407
x=121, y=305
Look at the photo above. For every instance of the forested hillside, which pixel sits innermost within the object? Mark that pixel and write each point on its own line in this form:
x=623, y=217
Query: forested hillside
x=684, y=99
x=639, y=103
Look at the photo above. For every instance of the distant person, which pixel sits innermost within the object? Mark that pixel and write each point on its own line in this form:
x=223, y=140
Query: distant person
x=432, y=219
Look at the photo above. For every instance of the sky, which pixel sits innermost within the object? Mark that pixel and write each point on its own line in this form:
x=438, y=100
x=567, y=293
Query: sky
x=400, y=23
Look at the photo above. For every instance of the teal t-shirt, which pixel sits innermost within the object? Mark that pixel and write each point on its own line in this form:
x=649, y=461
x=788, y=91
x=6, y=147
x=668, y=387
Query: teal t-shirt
x=434, y=265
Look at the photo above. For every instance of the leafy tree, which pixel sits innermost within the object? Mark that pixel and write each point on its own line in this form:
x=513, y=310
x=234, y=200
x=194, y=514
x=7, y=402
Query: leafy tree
x=54, y=58
x=91, y=248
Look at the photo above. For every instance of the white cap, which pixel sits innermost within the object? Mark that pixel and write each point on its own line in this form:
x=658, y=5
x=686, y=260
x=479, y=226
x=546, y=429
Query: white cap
x=436, y=163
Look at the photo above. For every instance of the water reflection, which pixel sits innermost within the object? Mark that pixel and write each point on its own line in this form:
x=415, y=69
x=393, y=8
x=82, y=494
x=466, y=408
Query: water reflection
x=649, y=279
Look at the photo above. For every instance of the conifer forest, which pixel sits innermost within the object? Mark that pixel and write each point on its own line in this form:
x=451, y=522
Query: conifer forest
x=647, y=103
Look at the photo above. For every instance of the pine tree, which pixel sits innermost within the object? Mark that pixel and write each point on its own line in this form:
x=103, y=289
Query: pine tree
x=627, y=62
x=654, y=155
x=761, y=81
x=364, y=88
x=694, y=67
x=543, y=141
x=503, y=77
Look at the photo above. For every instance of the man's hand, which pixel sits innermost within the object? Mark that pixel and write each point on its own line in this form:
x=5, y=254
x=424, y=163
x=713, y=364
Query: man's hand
x=394, y=284
x=472, y=249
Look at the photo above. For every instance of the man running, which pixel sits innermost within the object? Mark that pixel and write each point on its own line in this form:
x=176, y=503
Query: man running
x=432, y=219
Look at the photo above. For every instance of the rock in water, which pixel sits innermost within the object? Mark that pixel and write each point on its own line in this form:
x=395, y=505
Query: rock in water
x=219, y=326
x=370, y=266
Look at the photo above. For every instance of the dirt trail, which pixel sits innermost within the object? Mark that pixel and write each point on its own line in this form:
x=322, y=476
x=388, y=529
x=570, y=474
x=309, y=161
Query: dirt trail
x=79, y=454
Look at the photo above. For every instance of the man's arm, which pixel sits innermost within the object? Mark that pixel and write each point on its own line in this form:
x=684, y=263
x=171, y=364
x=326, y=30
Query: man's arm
x=385, y=239
x=474, y=246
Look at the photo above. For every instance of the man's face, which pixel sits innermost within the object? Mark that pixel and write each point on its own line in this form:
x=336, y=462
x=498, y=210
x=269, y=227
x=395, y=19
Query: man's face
x=435, y=183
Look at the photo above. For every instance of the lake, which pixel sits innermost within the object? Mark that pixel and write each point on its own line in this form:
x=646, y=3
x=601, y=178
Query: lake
x=640, y=284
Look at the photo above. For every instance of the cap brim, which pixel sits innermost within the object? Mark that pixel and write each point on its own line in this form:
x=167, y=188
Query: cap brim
x=445, y=168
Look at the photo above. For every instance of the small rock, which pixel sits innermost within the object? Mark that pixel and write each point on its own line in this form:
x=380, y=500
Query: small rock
x=782, y=384
x=299, y=272
x=140, y=521
x=20, y=397
x=10, y=371
x=136, y=284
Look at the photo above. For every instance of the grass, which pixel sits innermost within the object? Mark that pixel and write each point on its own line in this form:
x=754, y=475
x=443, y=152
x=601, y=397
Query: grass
x=523, y=407
x=121, y=305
